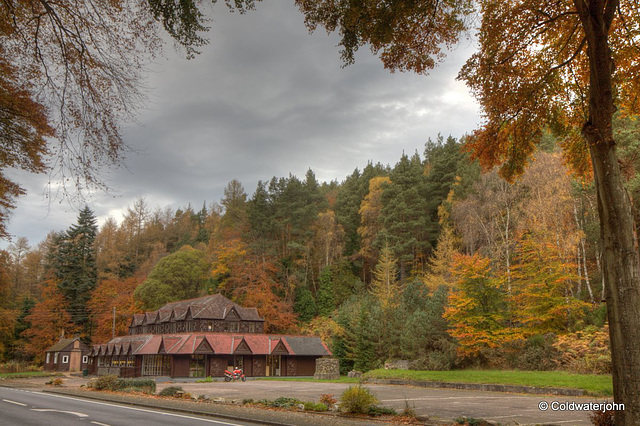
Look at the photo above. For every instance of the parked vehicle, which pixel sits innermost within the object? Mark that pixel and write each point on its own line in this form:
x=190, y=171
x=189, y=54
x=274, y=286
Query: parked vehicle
x=237, y=374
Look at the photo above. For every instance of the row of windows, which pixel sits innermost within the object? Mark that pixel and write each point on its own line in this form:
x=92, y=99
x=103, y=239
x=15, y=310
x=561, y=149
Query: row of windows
x=156, y=365
x=116, y=361
x=187, y=326
x=65, y=358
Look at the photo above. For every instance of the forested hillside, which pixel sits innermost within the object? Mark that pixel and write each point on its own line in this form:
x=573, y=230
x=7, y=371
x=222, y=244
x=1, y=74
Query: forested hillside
x=429, y=260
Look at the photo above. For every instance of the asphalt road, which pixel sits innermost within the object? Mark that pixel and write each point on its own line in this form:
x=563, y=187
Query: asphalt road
x=25, y=408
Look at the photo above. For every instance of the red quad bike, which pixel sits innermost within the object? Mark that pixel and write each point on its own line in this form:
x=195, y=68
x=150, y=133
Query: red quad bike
x=237, y=374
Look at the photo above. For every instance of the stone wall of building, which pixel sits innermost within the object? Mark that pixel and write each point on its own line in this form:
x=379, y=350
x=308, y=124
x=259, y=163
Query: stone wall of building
x=327, y=368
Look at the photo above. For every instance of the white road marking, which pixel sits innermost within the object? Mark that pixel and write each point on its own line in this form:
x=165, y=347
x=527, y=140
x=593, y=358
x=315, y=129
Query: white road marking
x=14, y=402
x=52, y=410
x=137, y=409
x=100, y=424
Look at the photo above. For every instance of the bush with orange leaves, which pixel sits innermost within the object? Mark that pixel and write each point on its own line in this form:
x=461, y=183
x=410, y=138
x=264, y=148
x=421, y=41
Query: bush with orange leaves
x=585, y=351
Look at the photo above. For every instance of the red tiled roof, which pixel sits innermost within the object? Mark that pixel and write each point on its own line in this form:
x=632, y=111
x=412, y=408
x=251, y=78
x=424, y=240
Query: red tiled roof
x=171, y=343
x=151, y=346
x=221, y=343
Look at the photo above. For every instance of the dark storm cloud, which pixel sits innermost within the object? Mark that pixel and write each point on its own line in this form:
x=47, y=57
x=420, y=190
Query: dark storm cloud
x=265, y=99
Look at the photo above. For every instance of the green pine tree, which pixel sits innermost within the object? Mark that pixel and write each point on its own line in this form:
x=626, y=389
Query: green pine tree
x=325, y=297
x=406, y=217
x=305, y=305
x=74, y=264
x=366, y=336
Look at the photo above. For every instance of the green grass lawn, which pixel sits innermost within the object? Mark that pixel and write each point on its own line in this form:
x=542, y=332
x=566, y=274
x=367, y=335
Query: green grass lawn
x=27, y=374
x=600, y=385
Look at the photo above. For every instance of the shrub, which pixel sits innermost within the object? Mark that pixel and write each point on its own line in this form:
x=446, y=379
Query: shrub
x=109, y=382
x=435, y=360
x=586, y=351
x=538, y=353
x=602, y=418
x=172, y=391
x=55, y=382
x=357, y=400
x=18, y=367
x=207, y=379
x=408, y=411
x=285, y=402
x=141, y=385
x=113, y=383
x=376, y=410
x=470, y=421
x=312, y=406
x=327, y=399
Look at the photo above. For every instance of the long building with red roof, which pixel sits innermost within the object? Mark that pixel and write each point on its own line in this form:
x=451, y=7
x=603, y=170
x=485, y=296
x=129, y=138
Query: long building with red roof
x=203, y=337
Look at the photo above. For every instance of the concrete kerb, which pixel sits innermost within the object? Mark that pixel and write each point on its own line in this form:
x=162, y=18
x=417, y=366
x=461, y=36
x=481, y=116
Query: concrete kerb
x=217, y=410
x=481, y=387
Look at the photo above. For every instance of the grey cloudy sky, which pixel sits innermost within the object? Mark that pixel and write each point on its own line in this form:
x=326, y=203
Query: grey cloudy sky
x=264, y=99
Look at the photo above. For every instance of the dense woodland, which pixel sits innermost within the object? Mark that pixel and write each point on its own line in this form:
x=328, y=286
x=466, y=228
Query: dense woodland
x=430, y=260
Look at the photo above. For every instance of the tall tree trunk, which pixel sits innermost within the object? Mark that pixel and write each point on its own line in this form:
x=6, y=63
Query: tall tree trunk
x=621, y=262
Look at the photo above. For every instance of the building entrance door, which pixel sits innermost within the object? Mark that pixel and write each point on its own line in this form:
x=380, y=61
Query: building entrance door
x=74, y=361
x=273, y=365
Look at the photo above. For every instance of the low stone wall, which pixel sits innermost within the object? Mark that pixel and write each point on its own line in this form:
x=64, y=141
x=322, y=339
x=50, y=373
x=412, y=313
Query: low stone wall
x=396, y=364
x=106, y=371
x=481, y=387
x=327, y=368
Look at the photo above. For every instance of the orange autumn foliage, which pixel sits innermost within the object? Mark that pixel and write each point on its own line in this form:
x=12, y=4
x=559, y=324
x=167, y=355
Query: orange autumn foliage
x=110, y=294
x=476, y=309
x=254, y=285
x=49, y=321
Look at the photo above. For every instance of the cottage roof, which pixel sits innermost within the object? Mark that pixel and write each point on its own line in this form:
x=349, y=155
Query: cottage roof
x=63, y=344
x=60, y=345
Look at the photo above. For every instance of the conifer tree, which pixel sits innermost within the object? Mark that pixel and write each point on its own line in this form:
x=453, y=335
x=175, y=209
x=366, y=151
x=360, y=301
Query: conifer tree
x=75, y=267
x=385, y=286
x=305, y=305
x=405, y=215
x=325, y=299
x=21, y=325
x=371, y=220
x=366, y=336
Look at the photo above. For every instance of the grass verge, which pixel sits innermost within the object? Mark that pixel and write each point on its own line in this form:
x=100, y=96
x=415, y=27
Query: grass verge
x=28, y=374
x=598, y=385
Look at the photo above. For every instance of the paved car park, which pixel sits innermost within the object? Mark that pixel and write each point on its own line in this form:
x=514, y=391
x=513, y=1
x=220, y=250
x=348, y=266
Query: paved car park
x=440, y=404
